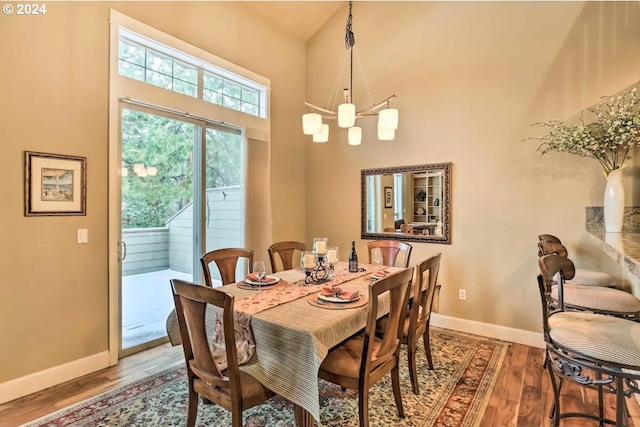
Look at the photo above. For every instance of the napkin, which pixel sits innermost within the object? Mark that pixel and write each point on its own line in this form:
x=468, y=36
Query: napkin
x=265, y=279
x=334, y=291
x=380, y=274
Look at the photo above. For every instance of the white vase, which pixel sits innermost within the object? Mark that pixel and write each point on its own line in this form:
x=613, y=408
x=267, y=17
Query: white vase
x=614, y=202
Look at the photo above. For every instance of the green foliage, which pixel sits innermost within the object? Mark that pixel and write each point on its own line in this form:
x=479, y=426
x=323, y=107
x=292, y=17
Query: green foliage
x=611, y=133
x=168, y=145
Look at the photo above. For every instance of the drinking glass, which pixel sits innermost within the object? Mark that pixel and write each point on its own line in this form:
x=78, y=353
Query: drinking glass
x=377, y=256
x=259, y=270
x=332, y=259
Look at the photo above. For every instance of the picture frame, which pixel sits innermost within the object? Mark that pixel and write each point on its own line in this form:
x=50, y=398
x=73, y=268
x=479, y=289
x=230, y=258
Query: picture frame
x=388, y=197
x=55, y=184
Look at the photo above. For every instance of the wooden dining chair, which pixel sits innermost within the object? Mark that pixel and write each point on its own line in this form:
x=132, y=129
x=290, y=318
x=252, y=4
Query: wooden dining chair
x=363, y=360
x=417, y=321
x=419, y=318
x=230, y=388
x=406, y=229
x=226, y=260
x=390, y=250
x=285, y=251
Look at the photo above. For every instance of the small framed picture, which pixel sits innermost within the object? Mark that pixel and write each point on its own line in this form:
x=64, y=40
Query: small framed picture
x=55, y=184
x=388, y=197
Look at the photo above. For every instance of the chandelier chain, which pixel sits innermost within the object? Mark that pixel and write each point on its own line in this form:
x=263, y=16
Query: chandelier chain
x=349, y=38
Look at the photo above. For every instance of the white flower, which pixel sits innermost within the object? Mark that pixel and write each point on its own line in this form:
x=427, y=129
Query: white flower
x=608, y=137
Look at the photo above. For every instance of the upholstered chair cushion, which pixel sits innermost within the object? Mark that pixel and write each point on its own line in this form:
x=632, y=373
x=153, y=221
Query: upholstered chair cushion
x=598, y=298
x=593, y=278
x=345, y=359
x=606, y=338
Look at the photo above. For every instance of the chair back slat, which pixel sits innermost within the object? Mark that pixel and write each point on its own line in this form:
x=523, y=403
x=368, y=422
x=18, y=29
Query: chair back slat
x=226, y=260
x=191, y=306
x=285, y=251
x=398, y=285
x=390, y=250
x=424, y=290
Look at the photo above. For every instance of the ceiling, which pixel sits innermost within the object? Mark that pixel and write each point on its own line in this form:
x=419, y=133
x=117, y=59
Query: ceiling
x=301, y=19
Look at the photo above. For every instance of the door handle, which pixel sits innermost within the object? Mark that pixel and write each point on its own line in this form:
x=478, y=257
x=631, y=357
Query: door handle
x=122, y=251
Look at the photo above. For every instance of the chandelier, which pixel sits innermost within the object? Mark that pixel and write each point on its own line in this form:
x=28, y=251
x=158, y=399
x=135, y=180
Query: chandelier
x=346, y=113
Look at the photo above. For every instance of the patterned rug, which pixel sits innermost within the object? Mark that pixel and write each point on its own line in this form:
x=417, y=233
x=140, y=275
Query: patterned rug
x=454, y=394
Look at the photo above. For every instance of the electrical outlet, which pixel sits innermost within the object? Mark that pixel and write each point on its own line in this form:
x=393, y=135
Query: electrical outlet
x=462, y=294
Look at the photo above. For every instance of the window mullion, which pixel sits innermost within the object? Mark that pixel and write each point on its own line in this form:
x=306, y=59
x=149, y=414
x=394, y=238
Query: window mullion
x=200, y=84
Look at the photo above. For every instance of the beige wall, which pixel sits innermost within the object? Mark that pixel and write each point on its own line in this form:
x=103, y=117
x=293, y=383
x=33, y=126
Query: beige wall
x=470, y=77
x=54, y=98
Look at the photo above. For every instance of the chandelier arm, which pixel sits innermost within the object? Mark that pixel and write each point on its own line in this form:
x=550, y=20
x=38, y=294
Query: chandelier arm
x=323, y=110
x=376, y=107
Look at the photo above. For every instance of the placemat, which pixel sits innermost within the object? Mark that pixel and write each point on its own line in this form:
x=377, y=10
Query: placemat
x=246, y=286
x=313, y=300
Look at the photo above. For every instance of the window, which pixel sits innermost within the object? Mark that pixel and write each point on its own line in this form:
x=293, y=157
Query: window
x=151, y=62
x=398, y=195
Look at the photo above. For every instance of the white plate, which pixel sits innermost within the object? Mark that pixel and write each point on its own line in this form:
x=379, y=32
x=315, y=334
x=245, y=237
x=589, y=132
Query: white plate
x=336, y=299
x=256, y=283
x=375, y=276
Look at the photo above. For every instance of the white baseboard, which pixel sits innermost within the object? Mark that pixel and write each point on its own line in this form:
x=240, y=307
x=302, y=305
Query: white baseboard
x=37, y=381
x=18, y=387
x=533, y=339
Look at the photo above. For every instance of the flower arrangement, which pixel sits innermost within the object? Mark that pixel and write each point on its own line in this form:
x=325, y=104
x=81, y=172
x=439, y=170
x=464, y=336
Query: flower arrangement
x=609, y=137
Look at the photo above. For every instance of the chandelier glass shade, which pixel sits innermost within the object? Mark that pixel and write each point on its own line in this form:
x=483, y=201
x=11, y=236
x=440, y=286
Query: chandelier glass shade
x=346, y=113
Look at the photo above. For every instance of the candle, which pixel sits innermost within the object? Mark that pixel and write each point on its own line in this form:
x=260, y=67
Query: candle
x=332, y=255
x=309, y=261
x=321, y=247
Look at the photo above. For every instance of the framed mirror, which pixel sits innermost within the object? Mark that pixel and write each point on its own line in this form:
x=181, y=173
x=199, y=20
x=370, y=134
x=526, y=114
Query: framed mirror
x=407, y=203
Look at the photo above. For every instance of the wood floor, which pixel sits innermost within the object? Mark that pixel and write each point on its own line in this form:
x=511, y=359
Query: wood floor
x=522, y=395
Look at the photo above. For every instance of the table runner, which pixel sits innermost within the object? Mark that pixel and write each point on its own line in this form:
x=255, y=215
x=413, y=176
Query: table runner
x=264, y=299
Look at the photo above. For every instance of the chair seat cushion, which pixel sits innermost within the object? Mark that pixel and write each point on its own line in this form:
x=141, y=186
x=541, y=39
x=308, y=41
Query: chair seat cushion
x=598, y=298
x=593, y=278
x=605, y=338
x=345, y=359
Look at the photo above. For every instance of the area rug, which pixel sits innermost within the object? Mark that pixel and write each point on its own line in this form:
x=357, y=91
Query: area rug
x=454, y=394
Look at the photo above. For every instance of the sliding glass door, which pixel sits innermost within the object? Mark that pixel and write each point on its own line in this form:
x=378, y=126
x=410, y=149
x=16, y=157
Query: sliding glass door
x=157, y=219
x=182, y=194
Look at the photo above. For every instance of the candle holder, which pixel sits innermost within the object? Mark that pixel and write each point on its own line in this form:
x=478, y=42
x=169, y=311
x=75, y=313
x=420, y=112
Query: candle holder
x=314, y=269
x=320, y=247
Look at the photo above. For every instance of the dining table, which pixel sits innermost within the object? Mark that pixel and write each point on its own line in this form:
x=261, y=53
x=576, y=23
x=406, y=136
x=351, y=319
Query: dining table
x=295, y=332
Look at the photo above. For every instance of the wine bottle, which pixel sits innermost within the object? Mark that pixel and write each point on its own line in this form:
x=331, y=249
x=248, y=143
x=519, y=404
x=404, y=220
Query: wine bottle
x=353, y=259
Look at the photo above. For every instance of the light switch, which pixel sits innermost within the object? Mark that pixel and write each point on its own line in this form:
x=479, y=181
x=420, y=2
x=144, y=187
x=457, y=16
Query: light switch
x=83, y=235
x=385, y=216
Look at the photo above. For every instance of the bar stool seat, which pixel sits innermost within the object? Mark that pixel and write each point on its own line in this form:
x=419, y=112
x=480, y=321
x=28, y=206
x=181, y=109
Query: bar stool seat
x=593, y=278
x=582, y=276
x=583, y=297
x=604, y=338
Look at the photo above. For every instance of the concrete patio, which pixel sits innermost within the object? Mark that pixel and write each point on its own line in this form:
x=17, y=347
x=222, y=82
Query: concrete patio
x=146, y=302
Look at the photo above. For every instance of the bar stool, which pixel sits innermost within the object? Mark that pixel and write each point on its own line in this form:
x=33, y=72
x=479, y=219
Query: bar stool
x=583, y=276
x=596, y=299
x=593, y=350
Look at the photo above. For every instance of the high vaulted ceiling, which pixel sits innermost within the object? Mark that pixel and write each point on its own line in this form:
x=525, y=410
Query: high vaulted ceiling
x=302, y=19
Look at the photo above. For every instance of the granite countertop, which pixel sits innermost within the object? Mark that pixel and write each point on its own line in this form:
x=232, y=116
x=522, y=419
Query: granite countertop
x=623, y=247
